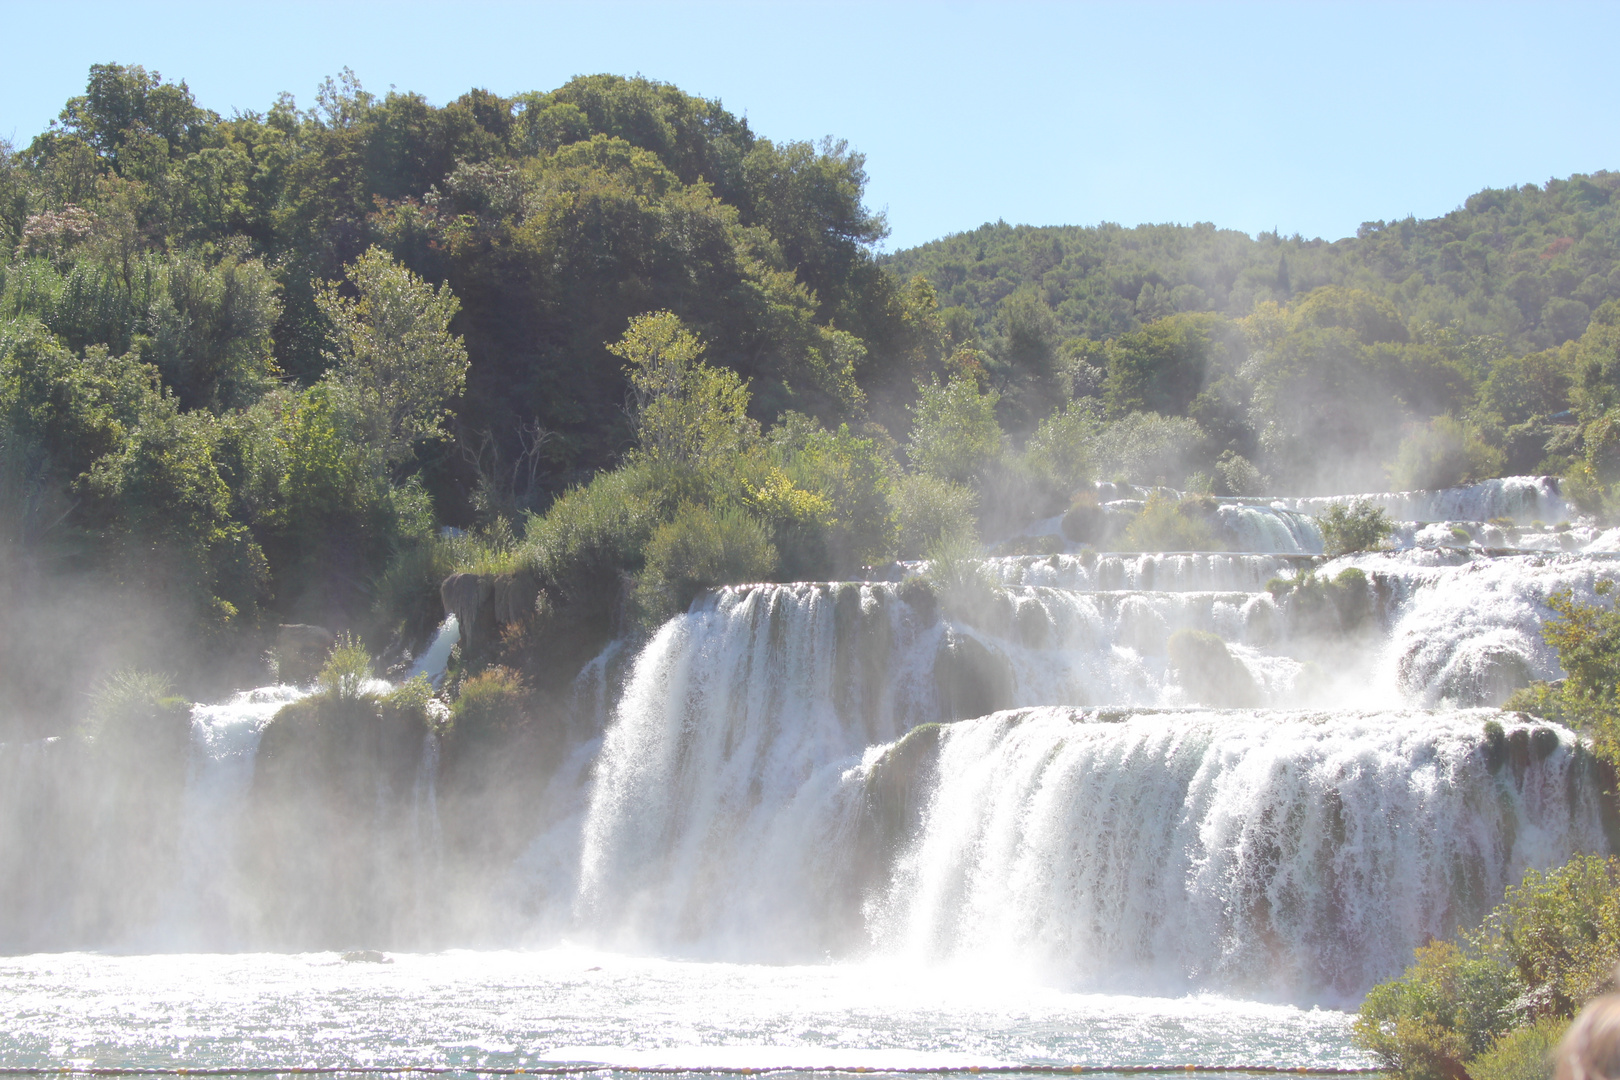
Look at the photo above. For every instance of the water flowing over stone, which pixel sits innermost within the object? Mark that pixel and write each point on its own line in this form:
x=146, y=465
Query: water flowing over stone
x=1258, y=772
x=1521, y=499
x=1293, y=855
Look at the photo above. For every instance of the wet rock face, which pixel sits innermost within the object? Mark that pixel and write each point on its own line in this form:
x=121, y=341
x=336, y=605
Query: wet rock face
x=1086, y=525
x=301, y=649
x=1209, y=673
x=471, y=599
x=972, y=679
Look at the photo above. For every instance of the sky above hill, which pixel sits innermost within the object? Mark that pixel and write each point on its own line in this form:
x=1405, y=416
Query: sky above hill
x=1307, y=117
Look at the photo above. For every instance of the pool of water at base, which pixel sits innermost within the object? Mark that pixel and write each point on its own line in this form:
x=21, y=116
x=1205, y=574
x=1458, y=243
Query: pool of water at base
x=532, y=1009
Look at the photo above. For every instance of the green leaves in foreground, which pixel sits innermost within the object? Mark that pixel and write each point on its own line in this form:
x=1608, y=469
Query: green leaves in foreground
x=1545, y=951
x=1587, y=637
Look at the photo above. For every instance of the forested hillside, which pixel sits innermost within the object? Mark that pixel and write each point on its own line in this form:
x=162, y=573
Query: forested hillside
x=1527, y=265
x=608, y=346
x=248, y=364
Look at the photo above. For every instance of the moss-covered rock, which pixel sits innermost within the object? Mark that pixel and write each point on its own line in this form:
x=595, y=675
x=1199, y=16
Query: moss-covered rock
x=971, y=678
x=334, y=786
x=1208, y=671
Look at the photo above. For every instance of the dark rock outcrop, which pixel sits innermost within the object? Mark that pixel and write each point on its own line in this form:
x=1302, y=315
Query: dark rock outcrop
x=301, y=649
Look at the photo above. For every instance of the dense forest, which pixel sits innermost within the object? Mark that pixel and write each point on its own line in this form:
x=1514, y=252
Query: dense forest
x=605, y=346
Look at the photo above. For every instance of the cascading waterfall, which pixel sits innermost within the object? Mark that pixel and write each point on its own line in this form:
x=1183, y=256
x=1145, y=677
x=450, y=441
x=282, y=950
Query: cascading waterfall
x=1289, y=855
x=1521, y=499
x=1175, y=572
x=224, y=740
x=1271, y=528
x=739, y=718
x=746, y=806
x=1140, y=772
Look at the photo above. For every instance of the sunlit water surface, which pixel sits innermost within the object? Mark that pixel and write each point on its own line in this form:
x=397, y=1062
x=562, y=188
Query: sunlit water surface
x=527, y=1009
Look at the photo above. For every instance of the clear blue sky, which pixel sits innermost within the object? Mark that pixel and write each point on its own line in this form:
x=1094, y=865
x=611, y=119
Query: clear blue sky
x=1307, y=117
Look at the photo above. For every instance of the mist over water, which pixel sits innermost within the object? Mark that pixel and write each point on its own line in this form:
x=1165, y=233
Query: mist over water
x=1100, y=808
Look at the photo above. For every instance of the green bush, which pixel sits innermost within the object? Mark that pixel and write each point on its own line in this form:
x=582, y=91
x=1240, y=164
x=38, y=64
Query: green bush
x=1238, y=476
x=1522, y=1054
x=1323, y=605
x=347, y=670
x=1545, y=951
x=957, y=573
x=928, y=510
x=1354, y=526
x=1560, y=931
x=1442, y=454
x=1146, y=448
x=132, y=708
x=492, y=704
x=688, y=413
x=578, y=547
x=412, y=702
x=954, y=433
x=851, y=478
x=1056, y=459
x=1448, y=1008
x=699, y=548
x=1167, y=523
x=1587, y=637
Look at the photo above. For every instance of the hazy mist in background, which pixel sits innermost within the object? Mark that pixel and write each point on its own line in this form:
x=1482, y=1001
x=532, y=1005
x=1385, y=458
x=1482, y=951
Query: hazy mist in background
x=1307, y=118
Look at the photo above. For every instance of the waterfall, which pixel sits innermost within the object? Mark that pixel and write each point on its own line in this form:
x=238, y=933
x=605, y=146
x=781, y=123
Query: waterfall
x=1174, y=572
x=708, y=809
x=756, y=795
x=1271, y=528
x=1287, y=855
x=224, y=741
x=1260, y=772
x=1521, y=499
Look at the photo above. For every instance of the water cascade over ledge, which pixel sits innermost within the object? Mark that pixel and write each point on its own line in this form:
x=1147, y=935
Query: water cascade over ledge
x=1259, y=773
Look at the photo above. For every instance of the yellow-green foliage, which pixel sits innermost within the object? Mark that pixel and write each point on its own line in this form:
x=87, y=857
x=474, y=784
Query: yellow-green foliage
x=1587, y=637
x=1522, y=1054
x=1561, y=932
x=687, y=412
x=699, y=548
x=493, y=703
x=1447, y=1008
x=1545, y=951
x=928, y=510
x=843, y=518
x=412, y=702
x=347, y=670
x=396, y=357
x=1170, y=524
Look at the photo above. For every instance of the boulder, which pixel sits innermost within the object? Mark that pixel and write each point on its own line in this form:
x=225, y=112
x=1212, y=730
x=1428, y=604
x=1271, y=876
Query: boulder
x=300, y=651
x=470, y=598
x=1209, y=673
x=971, y=678
x=514, y=596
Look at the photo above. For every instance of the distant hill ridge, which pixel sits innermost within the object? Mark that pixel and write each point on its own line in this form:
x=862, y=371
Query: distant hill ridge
x=1528, y=265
